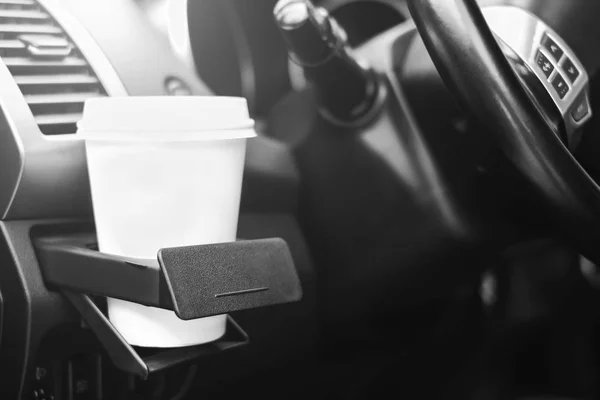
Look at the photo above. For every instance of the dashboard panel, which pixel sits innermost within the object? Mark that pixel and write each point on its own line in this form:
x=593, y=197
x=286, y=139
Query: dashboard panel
x=45, y=176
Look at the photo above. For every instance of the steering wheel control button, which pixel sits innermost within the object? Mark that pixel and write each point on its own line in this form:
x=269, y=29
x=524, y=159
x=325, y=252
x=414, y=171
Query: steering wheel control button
x=560, y=86
x=570, y=70
x=581, y=109
x=555, y=51
x=544, y=64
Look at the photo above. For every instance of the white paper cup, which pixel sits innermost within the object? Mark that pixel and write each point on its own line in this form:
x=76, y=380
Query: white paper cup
x=164, y=172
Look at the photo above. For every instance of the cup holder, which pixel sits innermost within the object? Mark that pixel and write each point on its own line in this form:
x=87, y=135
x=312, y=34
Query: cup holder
x=193, y=281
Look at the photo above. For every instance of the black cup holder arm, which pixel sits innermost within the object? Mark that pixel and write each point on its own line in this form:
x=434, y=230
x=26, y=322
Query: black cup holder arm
x=194, y=281
x=68, y=263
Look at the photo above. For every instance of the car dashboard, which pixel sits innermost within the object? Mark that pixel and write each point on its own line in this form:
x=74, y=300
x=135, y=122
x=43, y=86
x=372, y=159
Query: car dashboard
x=395, y=226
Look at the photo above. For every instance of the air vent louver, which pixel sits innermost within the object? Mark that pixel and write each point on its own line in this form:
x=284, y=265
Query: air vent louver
x=52, y=74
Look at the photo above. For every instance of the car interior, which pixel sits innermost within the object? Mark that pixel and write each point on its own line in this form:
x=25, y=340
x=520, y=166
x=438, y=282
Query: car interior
x=419, y=214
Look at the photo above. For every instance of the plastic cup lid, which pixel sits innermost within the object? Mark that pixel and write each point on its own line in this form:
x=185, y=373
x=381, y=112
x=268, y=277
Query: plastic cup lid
x=166, y=118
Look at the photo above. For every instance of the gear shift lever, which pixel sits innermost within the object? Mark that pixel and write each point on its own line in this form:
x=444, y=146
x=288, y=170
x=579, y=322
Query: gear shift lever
x=348, y=93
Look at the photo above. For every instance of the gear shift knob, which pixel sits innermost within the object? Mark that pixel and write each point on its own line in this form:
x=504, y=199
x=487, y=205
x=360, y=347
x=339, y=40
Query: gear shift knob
x=347, y=91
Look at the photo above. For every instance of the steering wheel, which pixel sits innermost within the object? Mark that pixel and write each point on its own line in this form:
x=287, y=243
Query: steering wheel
x=479, y=75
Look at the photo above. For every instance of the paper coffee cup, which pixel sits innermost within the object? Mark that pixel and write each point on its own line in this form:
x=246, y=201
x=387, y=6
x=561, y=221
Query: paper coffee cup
x=164, y=172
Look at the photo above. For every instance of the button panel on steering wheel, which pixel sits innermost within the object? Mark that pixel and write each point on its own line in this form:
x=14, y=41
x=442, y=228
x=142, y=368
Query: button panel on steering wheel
x=549, y=57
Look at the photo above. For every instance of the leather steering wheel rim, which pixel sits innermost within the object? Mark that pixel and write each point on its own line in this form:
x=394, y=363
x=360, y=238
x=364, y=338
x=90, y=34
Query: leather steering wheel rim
x=475, y=70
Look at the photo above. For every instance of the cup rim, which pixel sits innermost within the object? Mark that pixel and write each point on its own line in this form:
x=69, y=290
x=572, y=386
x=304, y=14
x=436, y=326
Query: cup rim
x=160, y=136
x=154, y=117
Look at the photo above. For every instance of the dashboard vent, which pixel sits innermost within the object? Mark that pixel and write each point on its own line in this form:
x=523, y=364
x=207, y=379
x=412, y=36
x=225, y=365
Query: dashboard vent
x=51, y=72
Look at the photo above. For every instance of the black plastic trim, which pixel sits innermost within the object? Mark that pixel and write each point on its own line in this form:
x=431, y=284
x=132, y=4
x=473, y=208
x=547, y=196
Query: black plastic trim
x=127, y=359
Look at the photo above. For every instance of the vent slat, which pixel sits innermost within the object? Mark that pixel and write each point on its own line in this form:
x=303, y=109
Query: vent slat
x=60, y=98
x=11, y=44
x=29, y=28
x=29, y=80
x=17, y=2
x=30, y=62
x=58, y=124
x=23, y=14
x=58, y=119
